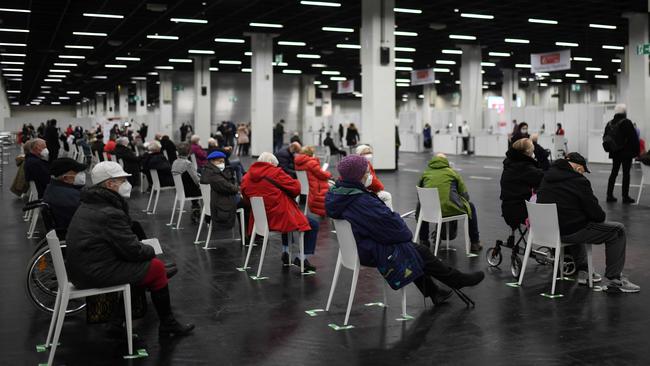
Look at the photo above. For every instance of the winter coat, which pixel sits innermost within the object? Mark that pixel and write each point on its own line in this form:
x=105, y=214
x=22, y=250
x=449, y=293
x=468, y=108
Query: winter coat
x=286, y=161
x=627, y=138
x=168, y=146
x=242, y=135
x=541, y=155
x=454, y=199
x=98, y=146
x=102, y=249
x=571, y=192
x=189, y=176
x=352, y=136
x=110, y=146
x=52, y=139
x=38, y=171
x=376, y=186
x=19, y=184
x=329, y=142
x=376, y=228
x=158, y=162
x=63, y=199
x=519, y=178
x=282, y=211
x=200, y=154
x=131, y=161
x=318, y=182
x=223, y=192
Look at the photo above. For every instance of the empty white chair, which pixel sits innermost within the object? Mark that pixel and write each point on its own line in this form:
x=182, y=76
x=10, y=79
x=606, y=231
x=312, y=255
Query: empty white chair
x=155, y=188
x=33, y=218
x=179, y=199
x=349, y=258
x=193, y=159
x=304, y=186
x=430, y=211
x=645, y=179
x=545, y=231
x=67, y=292
x=205, y=211
x=261, y=227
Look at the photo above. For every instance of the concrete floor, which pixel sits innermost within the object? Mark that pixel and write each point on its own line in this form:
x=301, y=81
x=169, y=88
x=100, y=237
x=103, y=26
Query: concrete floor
x=245, y=322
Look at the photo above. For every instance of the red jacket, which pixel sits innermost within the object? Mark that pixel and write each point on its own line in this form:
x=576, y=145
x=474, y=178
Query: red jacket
x=282, y=211
x=318, y=185
x=376, y=186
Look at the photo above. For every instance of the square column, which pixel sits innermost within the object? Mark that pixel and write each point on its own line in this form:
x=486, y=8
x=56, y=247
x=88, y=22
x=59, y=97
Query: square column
x=509, y=87
x=110, y=104
x=471, y=87
x=100, y=105
x=141, y=100
x=202, y=110
x=165, y=99
x=430, y=94
x=638, y=85
x=262, y=92
x=306, y=121
x=123, y=96
x=378, y=81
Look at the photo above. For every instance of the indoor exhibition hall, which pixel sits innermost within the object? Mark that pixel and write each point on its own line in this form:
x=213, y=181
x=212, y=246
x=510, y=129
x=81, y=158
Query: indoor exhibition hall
x=336, y=182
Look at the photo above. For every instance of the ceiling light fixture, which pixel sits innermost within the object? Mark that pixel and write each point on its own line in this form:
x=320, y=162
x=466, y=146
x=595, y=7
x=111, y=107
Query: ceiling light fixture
x=90, y=34
x=97, y=15
x=583, y=59
x=406, y=34
x=608, y=47
x=10, y=10
x=72, y=92
x=452, y=52
x=321, y=3
x=56, y=76
x=291, y=43
x=12, y=69
x=350, y=46
x=79, y=47
x=318, y=65
x=476, y=16
x=12, y=62
x=523, y=66
x=13, y=75
x=72, y=57
x=164, y=67
x=403, y=68
x=445, y=62
x=14, y=30
x=246, y=69
x=566, y=44
x=338, y=29
x=64, y=64
x=248, y=53
x=581, y=81
x=152, y=73
x=602, y=26
x=542, y=21
x=188, y=20
x=593, y=69
x=405, y=49
x=115, y=66
x=307, y=55
x=616, y=60
x=407, y=10
x=601, y=76
x=13, y=54
x=338, y=78
x=330, y=72
x=123, y=58
x=460, y=36
x=230, y=62
x=488, y=64
x=569, y=75
x=556, y=80
x=214, y=69
x=60, y=70
x=180, y=60
x=266, y=25
x=516, y=40
x=168, y=38
x=404, y=60
x=52, y=80
x=8, y=44
x=291, y=71
x=441, y=69
x=201, y=52
x=229, y=40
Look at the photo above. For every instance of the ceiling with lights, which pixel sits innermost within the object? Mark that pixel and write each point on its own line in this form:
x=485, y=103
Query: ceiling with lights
x=60, y=51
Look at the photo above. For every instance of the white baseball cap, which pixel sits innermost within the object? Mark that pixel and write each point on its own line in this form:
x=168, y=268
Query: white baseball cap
x=107, y=170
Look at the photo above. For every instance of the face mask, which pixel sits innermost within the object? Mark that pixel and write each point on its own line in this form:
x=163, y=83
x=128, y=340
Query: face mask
x=524, y=130
x=125, y=189
x=45, y=154
x=368, y=157
x=221, y=166
x=80, y=179
x=368, y=181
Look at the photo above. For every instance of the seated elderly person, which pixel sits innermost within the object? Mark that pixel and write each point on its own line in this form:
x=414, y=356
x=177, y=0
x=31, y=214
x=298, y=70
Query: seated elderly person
x=97, y=146
x=184, y=167
x=103, y=250
x=237, y=167
x=329, y=142
x=224, y=192
x=376, y=186
x=318, y=179
x=199, y=153
x=129, y=159
x=285, y=158
x=155, y=160
x=279, y=191
x=379, y=232
x=454, y=198
x=64, y=191
x=36, y=165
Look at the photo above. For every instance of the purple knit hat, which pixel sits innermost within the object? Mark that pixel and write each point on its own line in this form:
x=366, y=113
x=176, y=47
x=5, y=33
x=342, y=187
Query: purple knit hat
x=352, y=168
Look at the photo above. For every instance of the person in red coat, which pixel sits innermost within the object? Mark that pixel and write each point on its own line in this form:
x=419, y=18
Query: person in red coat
x=279, y=191
x=318, y=179
x=377, y=187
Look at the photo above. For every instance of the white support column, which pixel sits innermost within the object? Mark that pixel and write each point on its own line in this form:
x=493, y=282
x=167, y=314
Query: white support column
x=92, y=108
x=429, y=93
x=110, y=104
x=638, y=91
x=509, y=88
x=123, y=95
x=202, y=109
x=262, y=92
x=100, y=107
x=378, y=81
x=166, y=111
x=79, y=110
x=141, y=100
x=307, y=108
x=471, y=87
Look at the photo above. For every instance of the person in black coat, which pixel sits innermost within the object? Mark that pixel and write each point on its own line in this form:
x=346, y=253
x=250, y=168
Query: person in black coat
x=63, y=194
x=168, y=145
x=37, y=168
x=223, y=190
x=520, y=177
x=130, y=160
x=329, y=142
x=352, y=136
x=285, y=158
x=103, y=250
x=628, y=140
x=52, y=140
x=541, y=154
x=97, y=146
x=155, y=160
x=520, y=132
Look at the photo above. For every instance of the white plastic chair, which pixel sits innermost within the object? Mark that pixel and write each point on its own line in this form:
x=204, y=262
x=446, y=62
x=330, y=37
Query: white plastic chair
x=179, y=199
x=166, y=155
x=545, y=231
x=205, y=211
x=261, y=227
x=32, y=196
x=304, y=187
x=645, y=173
x=193, y=159
x=105, y=156
x=349, y=258
x=33, y=218
x=430, y=211
x=155, y=188
x=113, y=158
x=121, y=162
x=67, y=292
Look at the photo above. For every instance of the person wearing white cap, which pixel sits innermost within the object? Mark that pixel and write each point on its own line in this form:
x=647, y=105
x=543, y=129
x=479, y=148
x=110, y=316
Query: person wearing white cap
x=104, y=250
x=377, y=186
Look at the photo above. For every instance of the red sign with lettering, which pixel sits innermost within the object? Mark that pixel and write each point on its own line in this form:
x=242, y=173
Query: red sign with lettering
x=422, y=74
x=552, y=58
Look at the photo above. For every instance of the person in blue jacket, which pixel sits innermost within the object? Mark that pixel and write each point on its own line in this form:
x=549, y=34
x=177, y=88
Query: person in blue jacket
x=378, y=231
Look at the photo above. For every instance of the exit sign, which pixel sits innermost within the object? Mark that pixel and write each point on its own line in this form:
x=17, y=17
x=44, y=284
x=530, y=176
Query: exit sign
x=643, y=49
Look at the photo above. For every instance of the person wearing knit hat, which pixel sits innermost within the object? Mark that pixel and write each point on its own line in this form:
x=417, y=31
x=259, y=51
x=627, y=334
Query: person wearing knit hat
x=377, y=186
x=63, y=194
x=381, y=233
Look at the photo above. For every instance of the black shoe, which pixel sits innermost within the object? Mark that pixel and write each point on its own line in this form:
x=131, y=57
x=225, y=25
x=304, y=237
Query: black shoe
x=441, y=296
x=611, y=199
x=285, y=259
x=627, y=200
x=425, y=242
x=476, y=247
x=172, y=328
x=469, y=279
x=308, y=266
x=171, y=269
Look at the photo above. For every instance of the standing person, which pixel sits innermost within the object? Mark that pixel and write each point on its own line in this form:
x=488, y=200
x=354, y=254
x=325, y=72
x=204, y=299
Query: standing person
x=242, y=140
x=52, y=140
x=521, y=132
x=278, y=136
x=183, y=131
x=341, y=131
x=143, y=131
x=559, y=131
x=168, y=146
x=97, y=146
x=427, y=136
x=129, y=159
x=622, y=143
x=329, y=142
x=464, y=132
x=352, y=136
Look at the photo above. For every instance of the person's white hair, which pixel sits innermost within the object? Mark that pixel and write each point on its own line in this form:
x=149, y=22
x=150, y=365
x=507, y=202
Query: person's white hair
x=124, y=141
x=154, y=146
x=212, y=142
x=620, y=108
x=195, y=138
x=362, y=149
x=267, y=157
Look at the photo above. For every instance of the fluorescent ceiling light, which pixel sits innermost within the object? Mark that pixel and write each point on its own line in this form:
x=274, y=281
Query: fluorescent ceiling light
x=91, y=34
x=13, y=54
x=152, y=73
x=324, y=86
x=181, y=60
x=516, y=40
x=214, y=68
x=541, y=21
x=404, y=60
x=441, y=69
x=156, y=36
x=187, y=20
x=321, y=3
x=124, y=58
x=445, y=62
x=230, y=62
x=584, y=59
x=56, y=76
x=405, y=49
x=307, y=55
x=542, y=74
x=316, y=82
x=476, y=16
x=403, y=80
x=64, y=64
x=281, y=64
x=616, y=60
x=403, y=68
x=404, y=85
x=14, y=30
x=79, y=47
x=291, y=43
x=488, y=64
x=608, y=47
x=523, y=66
x=64, y=98
x=12, y=62
x=97, y=15
x=569, y=75
x=453, y=52
x=593, y=69
x=404, y=33
x=45, y=87
x=13, y=91
x=201, y=52
x=318, y=65
x=13, y=75
x=581, y=81
x=265, y=25
x=8, y=44
x=601, y=76
x=10, y=10
x=52, y=80
x=407, y=10
x=115, y=66
x=164, y=67
x=72, y=57
x=602, y=26
x=72, y=92
x=330, y=72
x=338, y=29
x=543, y=84
x=338, y=78
x=55, y=103
x=138, y=77
x=290, y=71
x=351, y=46
x=60, y=70
x=15, y=79
x=248, y=53
x=566, y=44
x=229, y=40
x=460, y=36
x=12, y=69
x=246, y=69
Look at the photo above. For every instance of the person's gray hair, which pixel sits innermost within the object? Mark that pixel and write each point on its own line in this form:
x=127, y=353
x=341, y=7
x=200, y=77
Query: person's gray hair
x=27, y=146
x=183, y=149
x=362, y=149
x=620, y=109
x=267, y=157
x=195, y=139
x=212, y=142
x=124, y=141
x=154, y=146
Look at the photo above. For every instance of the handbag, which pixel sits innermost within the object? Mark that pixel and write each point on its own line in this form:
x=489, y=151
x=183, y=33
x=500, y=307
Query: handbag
x=402, y=266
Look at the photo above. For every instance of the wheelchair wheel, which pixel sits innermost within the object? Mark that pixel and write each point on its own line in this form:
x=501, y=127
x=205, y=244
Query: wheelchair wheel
x=569, y=265
x=515, y=266
x=493, y=256
x=41, y=285
x=545, y=257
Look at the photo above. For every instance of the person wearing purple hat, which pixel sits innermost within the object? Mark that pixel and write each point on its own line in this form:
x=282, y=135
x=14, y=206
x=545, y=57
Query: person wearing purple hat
x=382, y=235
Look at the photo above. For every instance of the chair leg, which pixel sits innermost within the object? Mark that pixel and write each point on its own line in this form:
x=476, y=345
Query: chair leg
x=353, y=288
x=416, y=235
x=638, y=197
x=335, y=280
x=447, y=241
x=242, y=225
x=466, y=228
x=590, y=266
x=250, y=249
x=207, y=237
x=556, y=263
x=198, y=232
x=301, y=240
x=524, y=263
x=55, y=313
x=404, y=314
x=266, y=240
x=155, y=205
x=171, y=220
x=181, y=205
x=439, y=227
x=150, y=198
x=63, y=305
x=129, y=320
x=384, y=293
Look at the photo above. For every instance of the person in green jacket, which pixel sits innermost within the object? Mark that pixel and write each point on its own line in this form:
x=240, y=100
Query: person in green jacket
x=454, y=198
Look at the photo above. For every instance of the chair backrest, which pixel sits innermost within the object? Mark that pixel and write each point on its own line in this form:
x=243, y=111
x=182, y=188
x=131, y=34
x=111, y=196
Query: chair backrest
x=155, y=181
x=193, y=159
x=430, y=210
x=645, y=171
x=205, y=194
x=325, y=167
x=57, y=259
x=121, y=162
x=544, y=226
x=347, y=243
x=178, y=185
x=304, y=181
x=166, y=155
x=113, y=157
x=259, y=214
x=33, y=192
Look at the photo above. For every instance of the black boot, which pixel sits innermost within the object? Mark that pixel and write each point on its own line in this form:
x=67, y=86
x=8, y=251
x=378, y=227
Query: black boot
x=169, y=327
x=459, y=279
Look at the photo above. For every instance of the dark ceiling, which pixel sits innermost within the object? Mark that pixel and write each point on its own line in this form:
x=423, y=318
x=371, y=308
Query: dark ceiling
x=51, y=24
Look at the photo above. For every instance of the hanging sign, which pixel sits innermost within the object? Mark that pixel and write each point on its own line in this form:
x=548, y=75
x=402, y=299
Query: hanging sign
x=422, y=77
x=550, y=61
x=643, y=49
x=346, y=87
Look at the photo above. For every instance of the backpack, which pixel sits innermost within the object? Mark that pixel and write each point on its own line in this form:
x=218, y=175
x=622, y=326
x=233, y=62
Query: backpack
x=612, y=138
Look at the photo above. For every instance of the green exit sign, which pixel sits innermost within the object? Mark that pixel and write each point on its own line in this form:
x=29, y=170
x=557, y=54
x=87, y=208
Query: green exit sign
x=643, y=49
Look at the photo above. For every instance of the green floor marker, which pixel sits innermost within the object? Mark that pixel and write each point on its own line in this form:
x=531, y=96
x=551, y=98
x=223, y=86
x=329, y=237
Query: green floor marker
x=472, y=255
x=259, y=278
x=513, y=284
x=550, y=296
x=242, y=269
x=43, y=347
x=308, y=273
x=336, y=327
x=313, y=312
x=141, y=353
x=404, y=318
x=380, y=304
